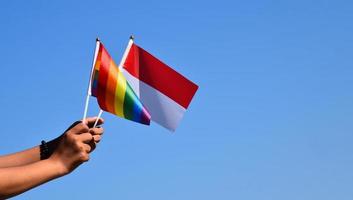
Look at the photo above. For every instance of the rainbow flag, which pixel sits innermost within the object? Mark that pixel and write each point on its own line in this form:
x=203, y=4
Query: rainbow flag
x=113, y=92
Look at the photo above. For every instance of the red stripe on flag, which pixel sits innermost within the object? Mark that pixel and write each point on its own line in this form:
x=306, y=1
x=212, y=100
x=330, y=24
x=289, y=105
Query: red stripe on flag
x=160, y=76
x=103, y=77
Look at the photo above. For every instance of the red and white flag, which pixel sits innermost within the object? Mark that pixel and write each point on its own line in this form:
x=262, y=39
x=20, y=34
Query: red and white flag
x=164, y=92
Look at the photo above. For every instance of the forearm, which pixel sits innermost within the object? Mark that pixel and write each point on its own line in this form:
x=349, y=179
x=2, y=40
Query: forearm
x=20, y=158
x=16, y=180
x=25, y=157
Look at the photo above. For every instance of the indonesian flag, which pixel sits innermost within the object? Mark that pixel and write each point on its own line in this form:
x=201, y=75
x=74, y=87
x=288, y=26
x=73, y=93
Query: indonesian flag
x=164, y=92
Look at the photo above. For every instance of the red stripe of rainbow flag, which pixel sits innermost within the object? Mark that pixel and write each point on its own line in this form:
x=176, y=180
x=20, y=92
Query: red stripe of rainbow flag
x=113, y=92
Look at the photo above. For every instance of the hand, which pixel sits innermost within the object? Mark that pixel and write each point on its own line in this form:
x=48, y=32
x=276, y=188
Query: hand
x=96, y=133
x=75, y=145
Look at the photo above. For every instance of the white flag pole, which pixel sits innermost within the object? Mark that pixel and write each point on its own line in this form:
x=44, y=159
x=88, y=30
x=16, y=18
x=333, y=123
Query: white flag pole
x=99, y=116
x=90, y=80
x=131, y=41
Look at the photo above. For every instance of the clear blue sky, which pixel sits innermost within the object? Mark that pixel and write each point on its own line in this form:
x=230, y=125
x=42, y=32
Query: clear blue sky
x=272, y=119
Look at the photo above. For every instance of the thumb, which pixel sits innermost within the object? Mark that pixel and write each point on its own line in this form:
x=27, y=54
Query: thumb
x=91, y=120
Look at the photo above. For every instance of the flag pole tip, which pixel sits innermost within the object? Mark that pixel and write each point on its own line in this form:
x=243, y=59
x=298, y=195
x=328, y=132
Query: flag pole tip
x=132, y=37
x=97, y=39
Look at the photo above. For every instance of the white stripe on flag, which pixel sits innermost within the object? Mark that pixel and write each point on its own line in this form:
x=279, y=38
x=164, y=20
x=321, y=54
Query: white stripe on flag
x=163, y=109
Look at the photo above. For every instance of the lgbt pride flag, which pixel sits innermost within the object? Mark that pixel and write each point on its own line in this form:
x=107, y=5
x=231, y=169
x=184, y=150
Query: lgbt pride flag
x=113, y=92
x=165, y=92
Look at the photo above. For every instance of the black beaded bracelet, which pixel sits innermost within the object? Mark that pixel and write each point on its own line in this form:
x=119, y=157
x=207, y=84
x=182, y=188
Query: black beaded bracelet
x=44, y=150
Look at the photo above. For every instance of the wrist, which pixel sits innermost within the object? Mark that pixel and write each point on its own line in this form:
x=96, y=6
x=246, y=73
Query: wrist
x=53, y=144
x=58, y=166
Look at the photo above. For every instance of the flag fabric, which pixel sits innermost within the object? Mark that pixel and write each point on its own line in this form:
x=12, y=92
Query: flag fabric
x=113, y=92
x=165, y=93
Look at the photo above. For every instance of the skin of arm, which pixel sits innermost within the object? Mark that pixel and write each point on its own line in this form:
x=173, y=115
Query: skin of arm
x=16, y=180
x=20, y=158
x=25, y=157
x=20, y=173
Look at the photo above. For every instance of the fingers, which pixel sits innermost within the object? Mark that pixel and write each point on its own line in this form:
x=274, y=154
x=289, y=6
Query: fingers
x=88, y=137
x=85, y=137
x=86, y=141
x=88, y=148
x=96, y=131
x=79, y=128
x=91, y=120
x=93, y=145
x=97, y=138
x=90, y=140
